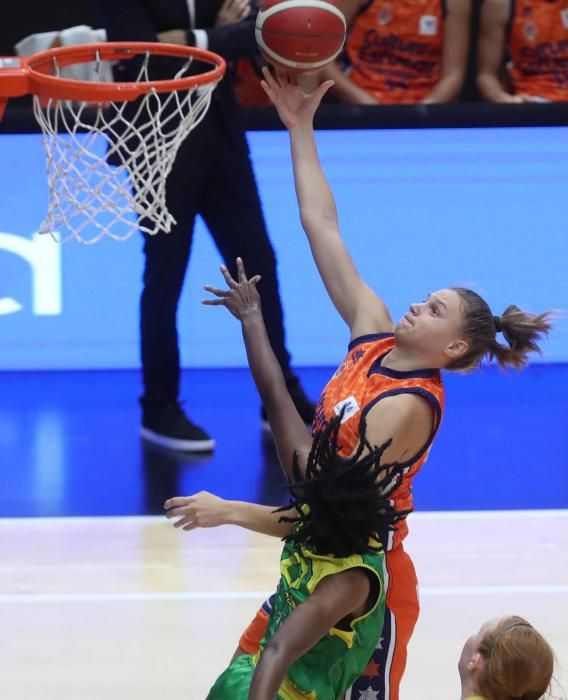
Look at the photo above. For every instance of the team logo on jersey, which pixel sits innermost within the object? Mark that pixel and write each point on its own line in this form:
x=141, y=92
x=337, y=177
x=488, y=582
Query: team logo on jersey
x=564, y=15
x=428, y=25
x=357, y=355
x=530, y=30
x=342, y=367
x=349, y=406
x=385, y=15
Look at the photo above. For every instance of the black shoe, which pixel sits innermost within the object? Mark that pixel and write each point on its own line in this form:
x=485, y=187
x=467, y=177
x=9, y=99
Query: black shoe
x=304, y=406
x=168, y=426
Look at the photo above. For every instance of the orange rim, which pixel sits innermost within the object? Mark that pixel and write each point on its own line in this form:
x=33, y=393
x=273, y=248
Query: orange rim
x=39, y=81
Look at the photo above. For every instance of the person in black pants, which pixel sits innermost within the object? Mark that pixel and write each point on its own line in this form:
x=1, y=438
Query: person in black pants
x=212, y=176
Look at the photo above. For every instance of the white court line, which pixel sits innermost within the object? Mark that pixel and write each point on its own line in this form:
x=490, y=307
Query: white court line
x=15, y=598
x=481, y=514
x=420, y=515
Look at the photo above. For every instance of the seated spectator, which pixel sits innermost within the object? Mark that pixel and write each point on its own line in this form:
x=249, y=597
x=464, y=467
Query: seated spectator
x=523, y=51
x=402, y=52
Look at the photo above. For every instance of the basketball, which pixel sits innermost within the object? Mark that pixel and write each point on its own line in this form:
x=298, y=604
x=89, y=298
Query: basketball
x=300, y=36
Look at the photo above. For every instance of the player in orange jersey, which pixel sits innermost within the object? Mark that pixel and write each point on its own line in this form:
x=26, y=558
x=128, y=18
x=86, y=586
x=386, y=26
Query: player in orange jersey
x=390, y=377
x=402, y=51
x=533, y=35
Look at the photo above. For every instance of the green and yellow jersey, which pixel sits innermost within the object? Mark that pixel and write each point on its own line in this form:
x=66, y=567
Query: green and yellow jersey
x=329, y=668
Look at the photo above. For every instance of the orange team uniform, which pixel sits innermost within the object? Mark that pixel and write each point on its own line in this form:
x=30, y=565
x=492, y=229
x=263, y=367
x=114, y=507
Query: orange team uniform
x=357, y=385
x=538, y=48
x=394, y=49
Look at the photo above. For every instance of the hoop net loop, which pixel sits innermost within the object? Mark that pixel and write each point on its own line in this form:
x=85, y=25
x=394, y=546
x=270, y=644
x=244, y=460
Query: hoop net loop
x=110, y=146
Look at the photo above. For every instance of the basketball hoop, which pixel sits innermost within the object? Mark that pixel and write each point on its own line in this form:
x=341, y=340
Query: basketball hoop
x=87, y=125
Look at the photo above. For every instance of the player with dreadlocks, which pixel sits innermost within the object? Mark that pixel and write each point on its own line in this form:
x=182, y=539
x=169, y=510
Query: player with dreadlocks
x=342, y=503
x=328, y=611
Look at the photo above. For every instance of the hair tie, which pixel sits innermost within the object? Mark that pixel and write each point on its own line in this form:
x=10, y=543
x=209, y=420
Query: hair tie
x=498, y=326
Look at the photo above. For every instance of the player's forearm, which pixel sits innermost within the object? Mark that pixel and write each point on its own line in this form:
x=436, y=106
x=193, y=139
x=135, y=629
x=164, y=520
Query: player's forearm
x=269, y=674
x=446, y=90
x=319, y=220
x=266, y=371
x=492, y=89
x=345, y=89
x=314, y=195
x=256, y=517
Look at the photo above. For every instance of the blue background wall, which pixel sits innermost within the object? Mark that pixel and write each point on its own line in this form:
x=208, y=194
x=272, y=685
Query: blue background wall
x=419, y=209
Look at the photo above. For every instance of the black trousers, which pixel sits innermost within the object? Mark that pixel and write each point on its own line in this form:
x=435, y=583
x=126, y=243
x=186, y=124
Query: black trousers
x=213, y=177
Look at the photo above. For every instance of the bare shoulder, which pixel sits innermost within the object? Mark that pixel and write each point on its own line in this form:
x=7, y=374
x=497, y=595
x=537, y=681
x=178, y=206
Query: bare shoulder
x=406, y=419
x=400, y=409
x=352, y=584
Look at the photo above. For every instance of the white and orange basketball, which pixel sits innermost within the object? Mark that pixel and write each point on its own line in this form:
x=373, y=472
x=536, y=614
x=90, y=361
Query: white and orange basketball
x=300, y=36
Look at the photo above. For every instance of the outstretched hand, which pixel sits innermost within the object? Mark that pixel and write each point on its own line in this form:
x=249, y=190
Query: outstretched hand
x=242, y=298
x=200, y=510
x=293, y=105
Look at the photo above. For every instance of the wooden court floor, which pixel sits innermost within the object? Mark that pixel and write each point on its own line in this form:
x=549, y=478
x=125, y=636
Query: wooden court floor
x=127, y=607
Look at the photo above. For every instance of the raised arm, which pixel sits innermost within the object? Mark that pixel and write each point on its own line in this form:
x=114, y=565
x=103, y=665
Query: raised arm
x=288, y=429
x=362, y=310
x=334, y=598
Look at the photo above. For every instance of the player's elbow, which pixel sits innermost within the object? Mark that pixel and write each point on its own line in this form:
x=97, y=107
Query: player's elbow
x=318, y=219
x=278, y=651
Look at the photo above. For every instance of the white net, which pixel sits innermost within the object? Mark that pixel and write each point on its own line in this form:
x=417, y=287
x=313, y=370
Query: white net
x=107, y=164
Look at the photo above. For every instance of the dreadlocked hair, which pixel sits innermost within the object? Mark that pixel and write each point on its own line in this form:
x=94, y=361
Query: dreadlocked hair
x=347, y=499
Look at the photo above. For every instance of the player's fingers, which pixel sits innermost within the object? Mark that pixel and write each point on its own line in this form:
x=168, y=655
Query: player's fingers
x=290, y=78
x=255, y=280
x=175, y=502
x=213, y=302
x=177, y=512
x=241, y=270
x=190, y=526
x=227, y=275
x=268, y=90
x=215, y=291
x=323, y=88
x=269, y=78
x=281, y=77
x=183, y=521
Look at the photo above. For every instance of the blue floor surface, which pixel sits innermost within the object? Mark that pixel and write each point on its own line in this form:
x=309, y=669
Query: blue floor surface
x=69, y=443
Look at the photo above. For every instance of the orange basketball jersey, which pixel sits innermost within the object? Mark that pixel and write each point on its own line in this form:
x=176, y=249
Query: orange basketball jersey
x=358, y=384
x=538, y=47
x=394, y=49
